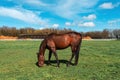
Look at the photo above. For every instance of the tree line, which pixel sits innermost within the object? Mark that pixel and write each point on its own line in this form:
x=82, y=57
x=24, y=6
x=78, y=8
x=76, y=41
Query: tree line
x=12, y=31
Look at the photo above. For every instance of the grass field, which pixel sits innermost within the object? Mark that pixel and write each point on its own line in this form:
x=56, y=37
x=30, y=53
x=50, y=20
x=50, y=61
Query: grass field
x=99, y=60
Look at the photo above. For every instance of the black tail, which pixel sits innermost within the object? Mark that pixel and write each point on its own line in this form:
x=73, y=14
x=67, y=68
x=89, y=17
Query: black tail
x=77, y=52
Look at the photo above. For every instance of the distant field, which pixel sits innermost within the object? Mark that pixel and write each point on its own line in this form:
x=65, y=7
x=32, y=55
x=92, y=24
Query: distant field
x=99, y=60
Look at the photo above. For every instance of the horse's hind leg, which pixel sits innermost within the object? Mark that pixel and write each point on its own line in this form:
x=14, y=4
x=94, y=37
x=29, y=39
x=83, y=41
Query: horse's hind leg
x=73, y=54
x=69, y=62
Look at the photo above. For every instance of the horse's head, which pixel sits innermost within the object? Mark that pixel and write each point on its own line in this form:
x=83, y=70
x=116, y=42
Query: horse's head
x=40, y=60
x=40, y=55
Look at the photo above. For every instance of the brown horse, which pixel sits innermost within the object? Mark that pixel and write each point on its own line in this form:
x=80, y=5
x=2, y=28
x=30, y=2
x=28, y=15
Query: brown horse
x=55, y=42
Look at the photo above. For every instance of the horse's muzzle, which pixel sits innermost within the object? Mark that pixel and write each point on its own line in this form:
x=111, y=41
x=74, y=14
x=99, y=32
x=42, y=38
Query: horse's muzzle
x=41, y=64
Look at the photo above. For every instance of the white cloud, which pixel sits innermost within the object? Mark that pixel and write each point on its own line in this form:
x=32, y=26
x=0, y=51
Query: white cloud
x=90, y=17
x=23, y=15
x=80, y=24
x=86, y=24
x=109, y=5
x=71, y=8
x=55, y=25
x=114, y=21
x=35, y=2
x=68, y=9
x=30, y=2
x=41, y=28
x=68, y=24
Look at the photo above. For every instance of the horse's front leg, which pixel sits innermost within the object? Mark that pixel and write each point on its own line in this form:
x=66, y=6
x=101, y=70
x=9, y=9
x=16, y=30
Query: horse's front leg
x=49, y=56
x=55, y=54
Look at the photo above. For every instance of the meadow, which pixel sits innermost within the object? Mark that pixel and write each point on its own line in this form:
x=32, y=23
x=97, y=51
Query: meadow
x=99, y=60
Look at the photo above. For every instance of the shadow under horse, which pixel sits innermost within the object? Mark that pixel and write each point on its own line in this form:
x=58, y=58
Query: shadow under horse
x=55, y=42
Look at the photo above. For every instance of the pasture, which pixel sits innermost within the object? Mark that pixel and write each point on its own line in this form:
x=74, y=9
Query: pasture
x=99, y=60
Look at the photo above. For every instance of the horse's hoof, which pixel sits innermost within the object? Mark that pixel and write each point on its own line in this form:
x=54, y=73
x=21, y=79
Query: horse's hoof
x=75, y=64
x=67, y=64
x=48, y=64
x=40, y=65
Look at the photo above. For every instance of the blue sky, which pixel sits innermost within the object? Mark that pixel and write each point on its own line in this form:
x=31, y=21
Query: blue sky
x=79, y=15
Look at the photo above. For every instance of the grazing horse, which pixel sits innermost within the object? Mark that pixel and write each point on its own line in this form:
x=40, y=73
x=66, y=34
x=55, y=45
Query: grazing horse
x=55, y=42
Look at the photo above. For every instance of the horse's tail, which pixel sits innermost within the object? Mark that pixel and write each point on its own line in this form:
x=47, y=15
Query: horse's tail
x=80, y=41
x=78, y=50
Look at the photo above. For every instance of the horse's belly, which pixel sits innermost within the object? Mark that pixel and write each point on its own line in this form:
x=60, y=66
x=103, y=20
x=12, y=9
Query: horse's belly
x=62, y=44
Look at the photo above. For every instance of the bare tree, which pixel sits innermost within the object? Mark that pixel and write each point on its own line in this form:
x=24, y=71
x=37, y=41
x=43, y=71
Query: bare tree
x=116, y=32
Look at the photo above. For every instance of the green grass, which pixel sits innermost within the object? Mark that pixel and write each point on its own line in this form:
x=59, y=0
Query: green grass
x=99, y=60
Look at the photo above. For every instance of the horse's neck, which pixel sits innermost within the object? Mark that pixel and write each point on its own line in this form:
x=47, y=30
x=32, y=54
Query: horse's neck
x=42, y=48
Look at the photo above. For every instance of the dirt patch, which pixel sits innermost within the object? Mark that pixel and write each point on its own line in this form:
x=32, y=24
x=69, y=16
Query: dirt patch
x=87, y=38
x=14, y=38
x=8, y=37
